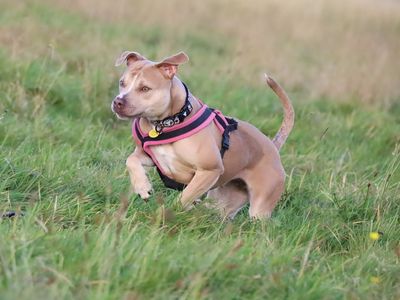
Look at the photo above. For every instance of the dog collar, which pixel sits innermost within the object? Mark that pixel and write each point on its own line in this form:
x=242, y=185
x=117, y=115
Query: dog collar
x=177, y=118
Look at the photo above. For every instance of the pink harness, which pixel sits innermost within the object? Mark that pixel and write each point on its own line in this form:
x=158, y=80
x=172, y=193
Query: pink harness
x=180, y=131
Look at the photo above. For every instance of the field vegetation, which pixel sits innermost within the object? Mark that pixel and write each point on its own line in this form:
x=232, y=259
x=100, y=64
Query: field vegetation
x=78, y=234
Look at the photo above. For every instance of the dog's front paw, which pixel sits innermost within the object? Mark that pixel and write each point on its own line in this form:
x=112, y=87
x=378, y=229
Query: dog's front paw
x=143, y=189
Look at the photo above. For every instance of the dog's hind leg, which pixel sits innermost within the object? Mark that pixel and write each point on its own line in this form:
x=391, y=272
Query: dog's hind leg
x=230, y=197
x=266, y=184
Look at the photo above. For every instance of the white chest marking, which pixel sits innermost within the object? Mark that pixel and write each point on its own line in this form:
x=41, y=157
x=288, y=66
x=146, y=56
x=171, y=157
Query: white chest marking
x=166, y=158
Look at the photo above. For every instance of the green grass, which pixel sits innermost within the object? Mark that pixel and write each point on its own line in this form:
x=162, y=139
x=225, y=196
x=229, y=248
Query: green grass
x=62, y=155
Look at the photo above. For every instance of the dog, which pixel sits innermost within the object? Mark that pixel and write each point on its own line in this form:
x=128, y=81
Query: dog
x=230, y=161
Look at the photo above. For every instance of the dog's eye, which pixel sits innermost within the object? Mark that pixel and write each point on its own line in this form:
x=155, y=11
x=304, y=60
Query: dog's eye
x=122, y=83
x=145, y=89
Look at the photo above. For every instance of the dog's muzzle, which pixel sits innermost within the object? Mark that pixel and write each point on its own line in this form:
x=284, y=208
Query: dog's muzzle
x=119, y=107
x=118, y=103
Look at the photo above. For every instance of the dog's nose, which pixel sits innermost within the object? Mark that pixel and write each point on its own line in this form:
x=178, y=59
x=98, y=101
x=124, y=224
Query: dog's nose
x=118, y=102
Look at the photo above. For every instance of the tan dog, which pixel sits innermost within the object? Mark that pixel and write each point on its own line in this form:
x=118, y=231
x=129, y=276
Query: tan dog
x=250, y=171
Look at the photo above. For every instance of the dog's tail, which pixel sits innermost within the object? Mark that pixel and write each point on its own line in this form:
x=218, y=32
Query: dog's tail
x=288, y=118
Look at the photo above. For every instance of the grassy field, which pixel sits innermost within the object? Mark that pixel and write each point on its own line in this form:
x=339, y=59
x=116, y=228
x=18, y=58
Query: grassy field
x=62, y=151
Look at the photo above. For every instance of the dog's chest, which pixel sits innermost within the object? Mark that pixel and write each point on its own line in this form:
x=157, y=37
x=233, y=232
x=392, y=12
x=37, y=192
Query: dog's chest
x=166, y=158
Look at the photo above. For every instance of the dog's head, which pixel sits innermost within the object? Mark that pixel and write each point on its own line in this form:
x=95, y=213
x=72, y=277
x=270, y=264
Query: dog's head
x=145, y=86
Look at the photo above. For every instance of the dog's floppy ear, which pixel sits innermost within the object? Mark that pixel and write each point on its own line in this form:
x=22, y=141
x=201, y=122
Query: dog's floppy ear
x=169, y=65
x=128, y=57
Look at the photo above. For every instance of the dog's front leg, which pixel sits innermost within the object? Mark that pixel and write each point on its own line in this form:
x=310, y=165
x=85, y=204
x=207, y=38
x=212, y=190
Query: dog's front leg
x=135, y=164
x=202, y=182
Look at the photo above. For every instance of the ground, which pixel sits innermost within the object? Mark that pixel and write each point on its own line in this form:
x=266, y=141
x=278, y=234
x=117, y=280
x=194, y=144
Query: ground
x=335, y=233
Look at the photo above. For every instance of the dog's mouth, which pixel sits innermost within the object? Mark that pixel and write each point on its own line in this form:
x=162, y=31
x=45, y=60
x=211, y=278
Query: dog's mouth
x=122, y=117
x=123, y=114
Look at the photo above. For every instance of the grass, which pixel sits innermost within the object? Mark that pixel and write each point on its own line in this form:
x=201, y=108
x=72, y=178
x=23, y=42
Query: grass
x=62, y=156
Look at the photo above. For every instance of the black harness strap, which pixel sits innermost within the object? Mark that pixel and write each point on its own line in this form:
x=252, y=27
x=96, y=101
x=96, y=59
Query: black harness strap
x=170, y=183
x=174, y=133
x=232, y=126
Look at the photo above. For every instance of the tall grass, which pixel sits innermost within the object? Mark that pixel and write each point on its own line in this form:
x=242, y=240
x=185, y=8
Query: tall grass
x=62, y=152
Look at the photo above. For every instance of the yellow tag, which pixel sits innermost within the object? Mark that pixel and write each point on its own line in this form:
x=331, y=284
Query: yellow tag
x=153, y=133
